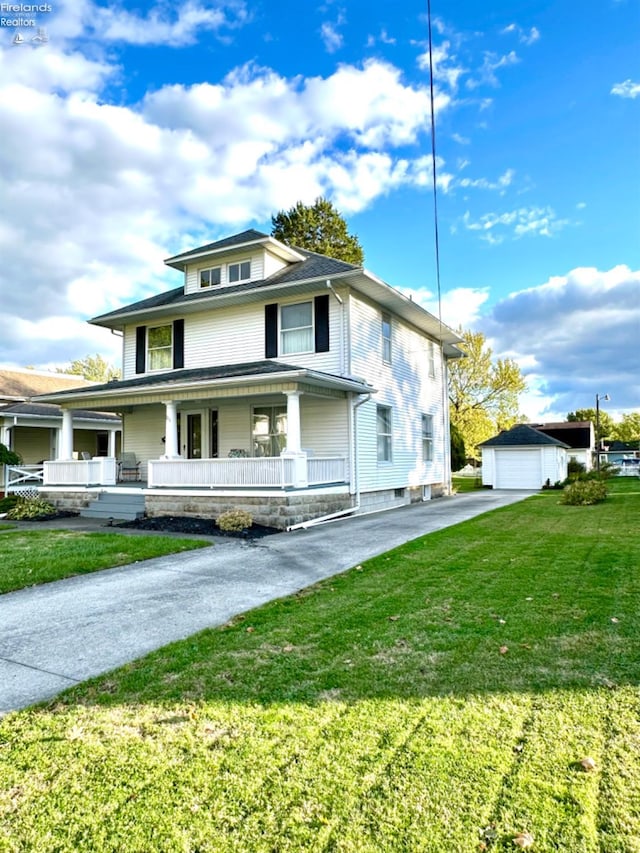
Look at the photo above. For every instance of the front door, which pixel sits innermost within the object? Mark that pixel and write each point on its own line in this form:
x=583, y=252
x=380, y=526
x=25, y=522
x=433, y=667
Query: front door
x=194, y=436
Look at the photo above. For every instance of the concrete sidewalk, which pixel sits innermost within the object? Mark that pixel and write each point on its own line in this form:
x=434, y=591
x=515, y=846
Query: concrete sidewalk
x=58, y=634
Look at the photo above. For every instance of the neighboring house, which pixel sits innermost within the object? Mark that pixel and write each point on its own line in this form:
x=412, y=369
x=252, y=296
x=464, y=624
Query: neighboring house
x=32, y=430
x=624, y=454
x=275, y=379
x=523, y=458
x=579, y=435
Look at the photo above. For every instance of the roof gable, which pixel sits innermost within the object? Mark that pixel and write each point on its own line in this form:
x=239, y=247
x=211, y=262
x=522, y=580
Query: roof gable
x=522, y=435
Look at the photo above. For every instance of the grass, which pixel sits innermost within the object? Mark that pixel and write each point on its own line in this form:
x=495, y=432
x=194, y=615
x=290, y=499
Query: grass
x=37, y=556
x=466, y=484
x=437, y=698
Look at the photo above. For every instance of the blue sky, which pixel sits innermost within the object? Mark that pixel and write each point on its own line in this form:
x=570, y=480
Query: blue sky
x=141, y=129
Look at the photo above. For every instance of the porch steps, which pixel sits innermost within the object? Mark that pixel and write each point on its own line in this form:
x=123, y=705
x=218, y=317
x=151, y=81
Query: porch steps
x=123, y=506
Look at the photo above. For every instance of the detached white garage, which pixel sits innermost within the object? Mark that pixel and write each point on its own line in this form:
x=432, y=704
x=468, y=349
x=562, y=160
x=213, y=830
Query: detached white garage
x=523, y=458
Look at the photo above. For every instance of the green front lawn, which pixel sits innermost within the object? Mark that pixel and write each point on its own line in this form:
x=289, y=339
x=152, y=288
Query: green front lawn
x=40, y=556
x=437, y=698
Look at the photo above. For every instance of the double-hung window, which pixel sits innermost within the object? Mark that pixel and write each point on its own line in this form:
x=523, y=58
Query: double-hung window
x=385, y=329
x=239, y=272
x=269, y=430
x=210, y=277
x=296, y=328
x=160, y=347
x=431, y=359
x=427, y=438
x=383, y=433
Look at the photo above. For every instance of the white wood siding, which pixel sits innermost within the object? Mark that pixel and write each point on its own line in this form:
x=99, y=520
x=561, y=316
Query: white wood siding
x=522, y=467
x=235, y=335
x=325, y=426
x=406, y=388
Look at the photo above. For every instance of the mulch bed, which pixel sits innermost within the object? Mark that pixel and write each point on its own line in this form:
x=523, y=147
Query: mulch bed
x=196, y=526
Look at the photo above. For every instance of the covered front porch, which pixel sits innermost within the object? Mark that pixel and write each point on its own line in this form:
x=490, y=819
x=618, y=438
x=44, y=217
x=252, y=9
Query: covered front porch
x=291, y=429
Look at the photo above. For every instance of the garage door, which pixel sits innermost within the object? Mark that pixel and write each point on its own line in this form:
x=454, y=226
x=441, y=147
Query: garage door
x=518, y=469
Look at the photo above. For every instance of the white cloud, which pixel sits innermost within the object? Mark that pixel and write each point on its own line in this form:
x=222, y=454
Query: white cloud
x=527, y=37
x=332, y=39
x=575, y=336
x=501, y=183
x=460, y=307
x=627, y=89
x=107, y=191
x=496, y=227
x=491, y=63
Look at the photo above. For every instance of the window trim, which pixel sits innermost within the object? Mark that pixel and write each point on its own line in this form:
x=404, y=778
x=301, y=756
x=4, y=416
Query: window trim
x=282, y=332
x=431, y=359
x=427, y=438
x=387, y=437
x=387, y=347
x=209, y=270
x=239, y=265
x=149, y=350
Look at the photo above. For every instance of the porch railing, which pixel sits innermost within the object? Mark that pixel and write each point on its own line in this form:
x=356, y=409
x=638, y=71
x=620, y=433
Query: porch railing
x=100, y=471
x=326, y=469
x=23, y=480
x=276, y=472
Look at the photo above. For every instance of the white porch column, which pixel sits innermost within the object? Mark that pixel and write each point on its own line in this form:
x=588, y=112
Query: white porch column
x=65, y=446
x=171, y=449
x=5, y=436
x=111, y=451
x=294, y=441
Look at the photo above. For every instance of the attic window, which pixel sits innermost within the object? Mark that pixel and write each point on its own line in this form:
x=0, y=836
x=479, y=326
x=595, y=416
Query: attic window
x=210, y=277
x=240, y=271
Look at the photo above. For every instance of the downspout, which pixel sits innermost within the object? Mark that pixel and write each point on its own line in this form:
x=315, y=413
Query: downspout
x=341, y=336
x=353, y=421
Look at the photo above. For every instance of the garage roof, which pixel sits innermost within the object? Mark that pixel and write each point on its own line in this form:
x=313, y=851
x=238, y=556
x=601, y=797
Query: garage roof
x=522, y=435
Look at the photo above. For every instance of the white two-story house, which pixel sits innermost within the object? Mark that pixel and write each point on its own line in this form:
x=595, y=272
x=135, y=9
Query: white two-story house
x=275, y=379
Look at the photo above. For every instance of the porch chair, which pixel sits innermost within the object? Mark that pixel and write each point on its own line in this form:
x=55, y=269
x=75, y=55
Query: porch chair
x=128, y=467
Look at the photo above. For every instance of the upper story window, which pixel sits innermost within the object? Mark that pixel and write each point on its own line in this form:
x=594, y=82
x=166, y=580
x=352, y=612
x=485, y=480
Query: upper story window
x=386, y=338
x=383, y=433
x=210, y=277
x=160, y=347
x=431, y=359
x=239, y=272
x=296, y=328
x=427, y=438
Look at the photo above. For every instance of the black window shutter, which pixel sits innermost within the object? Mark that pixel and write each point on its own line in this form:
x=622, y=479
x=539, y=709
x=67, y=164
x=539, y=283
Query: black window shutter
x=178, y=344
x=141, y=347
x=271, y=330
x=322, y=322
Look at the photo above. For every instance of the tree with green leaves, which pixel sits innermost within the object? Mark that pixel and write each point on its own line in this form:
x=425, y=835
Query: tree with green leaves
x=319, y=228
x=458, y=451
x=483, y=392
x=628, y=428
x=94, y=368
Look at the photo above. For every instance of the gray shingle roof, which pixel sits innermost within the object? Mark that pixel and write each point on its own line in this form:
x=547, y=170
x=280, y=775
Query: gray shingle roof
x=200, y=374
x=522, y=435
x=314, y=266
x=226, y=243
x=50, y=410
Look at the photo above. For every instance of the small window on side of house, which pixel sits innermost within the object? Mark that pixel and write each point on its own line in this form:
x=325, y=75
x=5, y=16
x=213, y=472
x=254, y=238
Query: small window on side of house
x=431, y=359
x=383, y=433
x=239, y=272
x=296, y=328
x=210, y=277
x=427, y=438
x=385, y=328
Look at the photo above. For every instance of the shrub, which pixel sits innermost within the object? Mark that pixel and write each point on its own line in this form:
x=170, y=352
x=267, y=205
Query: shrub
x=7, y=503
x=8, y=457
x=235, y=520
x=574, y=469
x=27, y=508
x=584, y=493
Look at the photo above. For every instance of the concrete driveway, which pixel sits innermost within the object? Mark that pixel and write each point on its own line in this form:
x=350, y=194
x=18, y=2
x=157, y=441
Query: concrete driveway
x=58, y=634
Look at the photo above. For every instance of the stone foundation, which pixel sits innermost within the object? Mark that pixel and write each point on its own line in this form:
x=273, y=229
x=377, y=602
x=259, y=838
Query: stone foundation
x=70, y=501
x=280, y=511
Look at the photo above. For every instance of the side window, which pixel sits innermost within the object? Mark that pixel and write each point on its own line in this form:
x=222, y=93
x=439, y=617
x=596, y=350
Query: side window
x=385, y=329
x=427, y=438
x=383, y=433
x=431, y=358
